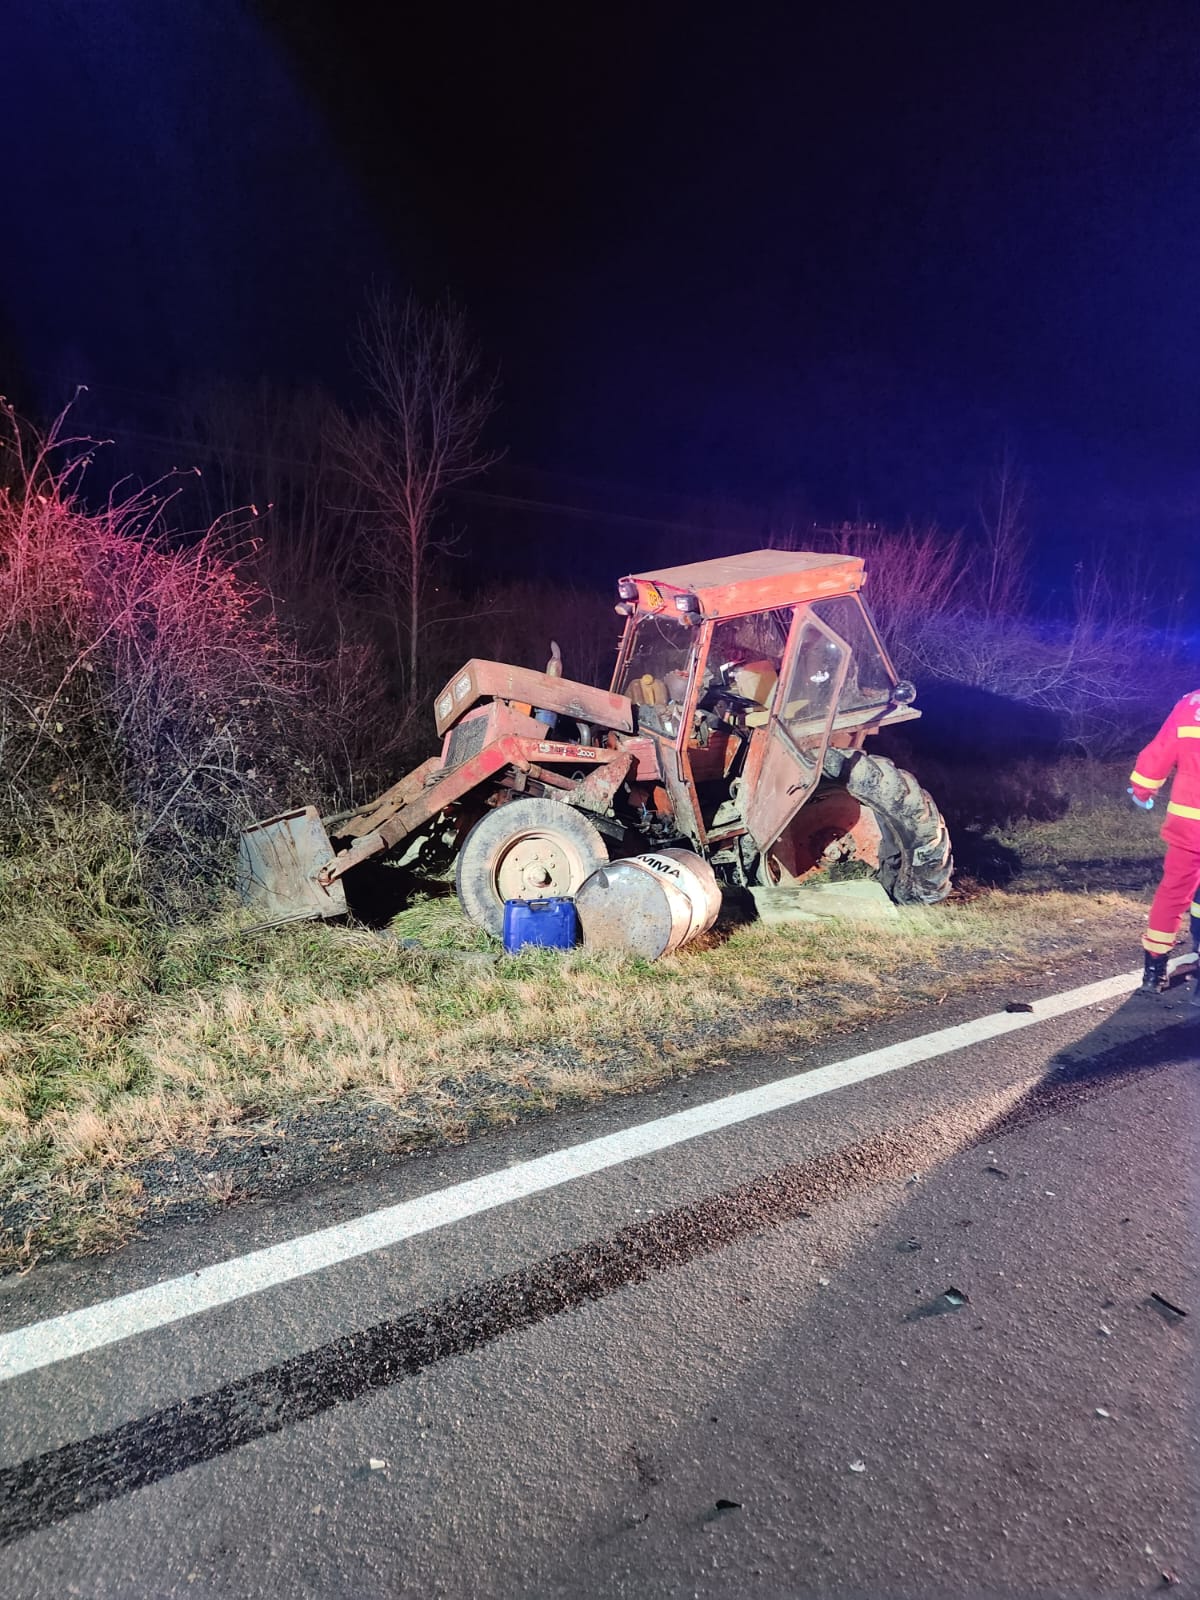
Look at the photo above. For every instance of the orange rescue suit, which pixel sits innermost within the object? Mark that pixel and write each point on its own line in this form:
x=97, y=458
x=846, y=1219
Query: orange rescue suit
x=1175, y=745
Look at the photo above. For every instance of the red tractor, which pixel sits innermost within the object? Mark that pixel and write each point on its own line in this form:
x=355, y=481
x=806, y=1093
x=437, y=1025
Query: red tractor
x=744, y=691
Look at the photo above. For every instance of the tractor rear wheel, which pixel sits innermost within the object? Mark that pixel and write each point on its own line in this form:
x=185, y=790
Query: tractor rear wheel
x=915, y=862
x=528, y=849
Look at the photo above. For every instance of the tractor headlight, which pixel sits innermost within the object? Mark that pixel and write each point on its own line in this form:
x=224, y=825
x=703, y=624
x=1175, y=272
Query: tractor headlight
x=688, y=604
x=627, y=589
x=904, y=693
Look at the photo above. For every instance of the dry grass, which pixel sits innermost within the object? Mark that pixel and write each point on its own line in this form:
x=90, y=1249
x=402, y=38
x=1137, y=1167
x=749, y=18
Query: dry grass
x=123, y=1046
x=1099, y=824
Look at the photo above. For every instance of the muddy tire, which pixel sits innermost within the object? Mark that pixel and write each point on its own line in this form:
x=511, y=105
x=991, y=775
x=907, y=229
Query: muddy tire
x=915, y=863
x=525, y=850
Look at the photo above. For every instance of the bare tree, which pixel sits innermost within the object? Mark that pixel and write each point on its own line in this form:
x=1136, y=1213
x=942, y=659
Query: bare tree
x=422, y=435
x=1004, y=587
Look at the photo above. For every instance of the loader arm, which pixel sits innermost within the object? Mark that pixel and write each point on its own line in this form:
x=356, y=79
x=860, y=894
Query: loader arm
x=390, y=801
x=393, y=818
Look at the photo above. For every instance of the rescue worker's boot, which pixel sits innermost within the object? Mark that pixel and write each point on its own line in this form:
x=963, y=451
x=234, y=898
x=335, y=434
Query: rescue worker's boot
x=1154, y=974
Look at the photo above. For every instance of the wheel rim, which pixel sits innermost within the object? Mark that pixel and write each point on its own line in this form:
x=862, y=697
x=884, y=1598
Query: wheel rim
x=537, y=865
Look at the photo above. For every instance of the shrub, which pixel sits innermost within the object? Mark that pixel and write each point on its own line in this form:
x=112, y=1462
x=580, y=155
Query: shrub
x=955, y=610
x=137, y=669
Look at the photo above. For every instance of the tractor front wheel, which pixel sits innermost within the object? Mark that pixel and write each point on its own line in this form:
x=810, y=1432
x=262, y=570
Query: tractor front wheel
x=529, y=849
x=915, y=863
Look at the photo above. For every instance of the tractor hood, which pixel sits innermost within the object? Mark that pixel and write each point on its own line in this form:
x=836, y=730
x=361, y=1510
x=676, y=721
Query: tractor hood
x=496, y=680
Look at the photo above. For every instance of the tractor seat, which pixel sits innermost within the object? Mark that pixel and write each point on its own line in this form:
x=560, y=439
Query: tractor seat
x=755, y=680
x=647, y=690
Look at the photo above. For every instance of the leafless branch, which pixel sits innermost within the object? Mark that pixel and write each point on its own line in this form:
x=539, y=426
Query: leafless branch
x=422, y=434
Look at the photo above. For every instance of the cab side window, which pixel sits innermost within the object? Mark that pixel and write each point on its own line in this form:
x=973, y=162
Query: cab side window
x=746, y=655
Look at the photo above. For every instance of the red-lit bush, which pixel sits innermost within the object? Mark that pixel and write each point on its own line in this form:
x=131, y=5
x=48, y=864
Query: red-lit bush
x=136, y=668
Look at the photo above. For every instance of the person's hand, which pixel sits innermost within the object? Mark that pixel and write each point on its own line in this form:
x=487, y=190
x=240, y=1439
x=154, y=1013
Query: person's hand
x=1142, y=805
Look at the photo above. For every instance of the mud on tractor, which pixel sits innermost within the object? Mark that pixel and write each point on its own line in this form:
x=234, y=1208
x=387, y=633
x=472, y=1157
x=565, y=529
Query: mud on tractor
x=744, y=691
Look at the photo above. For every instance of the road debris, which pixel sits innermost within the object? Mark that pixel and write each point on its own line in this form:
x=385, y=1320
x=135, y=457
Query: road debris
x=1018, y=1005
x=1101, y=1412
x=1168, y=1305
x=721, y=1508
x=996, y=1172
x=858, y=1466
x=909, y=1244
x=1104, y=1330
x=950, y=1299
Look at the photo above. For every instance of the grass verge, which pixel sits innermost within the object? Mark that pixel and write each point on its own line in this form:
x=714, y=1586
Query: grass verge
x=144, y=1070
x=1095, y=839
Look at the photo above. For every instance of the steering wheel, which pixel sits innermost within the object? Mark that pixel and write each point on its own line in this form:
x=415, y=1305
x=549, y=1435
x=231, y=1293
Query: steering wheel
x=717, y=695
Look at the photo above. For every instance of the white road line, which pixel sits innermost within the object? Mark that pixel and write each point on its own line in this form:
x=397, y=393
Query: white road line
x=92, y=1327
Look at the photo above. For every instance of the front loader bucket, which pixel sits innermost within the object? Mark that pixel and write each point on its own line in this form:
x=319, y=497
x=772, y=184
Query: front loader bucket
x=277, y=865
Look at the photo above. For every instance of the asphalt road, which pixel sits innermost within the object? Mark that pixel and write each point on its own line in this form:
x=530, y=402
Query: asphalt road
x=900, y=1339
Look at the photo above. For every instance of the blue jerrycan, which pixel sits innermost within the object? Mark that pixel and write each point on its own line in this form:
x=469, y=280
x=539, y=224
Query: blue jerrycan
x=550, y=923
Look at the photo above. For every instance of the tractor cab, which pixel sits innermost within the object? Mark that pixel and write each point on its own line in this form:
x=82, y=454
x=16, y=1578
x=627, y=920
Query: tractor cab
x=748, y=668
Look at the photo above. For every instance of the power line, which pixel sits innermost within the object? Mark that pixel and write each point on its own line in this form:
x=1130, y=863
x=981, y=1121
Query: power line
x=489, y=496
x=172, y=403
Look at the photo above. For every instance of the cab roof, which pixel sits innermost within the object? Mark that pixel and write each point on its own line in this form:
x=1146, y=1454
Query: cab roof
x=757, y=580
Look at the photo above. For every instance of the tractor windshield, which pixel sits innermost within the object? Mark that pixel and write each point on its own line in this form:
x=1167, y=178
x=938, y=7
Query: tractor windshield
x=657, y=665
x=869, y=676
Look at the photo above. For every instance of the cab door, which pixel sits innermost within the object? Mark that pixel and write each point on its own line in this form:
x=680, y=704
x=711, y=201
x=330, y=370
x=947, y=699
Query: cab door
x=785, y=760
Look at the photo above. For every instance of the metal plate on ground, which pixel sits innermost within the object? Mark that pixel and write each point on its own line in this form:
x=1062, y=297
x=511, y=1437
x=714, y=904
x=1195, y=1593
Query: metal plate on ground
x=856, y=899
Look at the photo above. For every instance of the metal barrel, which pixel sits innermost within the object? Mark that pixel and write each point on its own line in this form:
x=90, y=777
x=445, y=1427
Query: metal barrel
x=648, y=904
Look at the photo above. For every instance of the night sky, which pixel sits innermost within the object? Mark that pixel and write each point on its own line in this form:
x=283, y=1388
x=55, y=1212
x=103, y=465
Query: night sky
x=839, y=262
